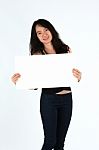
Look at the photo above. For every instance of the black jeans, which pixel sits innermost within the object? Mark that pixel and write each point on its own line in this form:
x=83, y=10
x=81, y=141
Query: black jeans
x=56, y=111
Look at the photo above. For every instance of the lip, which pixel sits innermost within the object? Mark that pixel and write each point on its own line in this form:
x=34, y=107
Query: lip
x=45, y=39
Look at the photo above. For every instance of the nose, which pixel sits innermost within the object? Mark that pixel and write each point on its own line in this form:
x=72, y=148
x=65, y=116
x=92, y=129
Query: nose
x=44, y=34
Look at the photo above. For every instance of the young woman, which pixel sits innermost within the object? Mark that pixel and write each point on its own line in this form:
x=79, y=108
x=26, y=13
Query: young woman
x=55, y=103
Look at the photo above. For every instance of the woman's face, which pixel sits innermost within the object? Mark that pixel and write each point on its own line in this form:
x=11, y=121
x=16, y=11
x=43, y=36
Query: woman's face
x=43, y=34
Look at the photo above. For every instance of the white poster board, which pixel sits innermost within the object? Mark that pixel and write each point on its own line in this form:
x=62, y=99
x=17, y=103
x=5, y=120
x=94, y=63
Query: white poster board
x=45, y=71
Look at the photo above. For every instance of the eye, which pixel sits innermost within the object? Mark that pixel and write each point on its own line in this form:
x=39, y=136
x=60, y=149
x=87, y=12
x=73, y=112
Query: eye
x=46, y=29
x=39, y=33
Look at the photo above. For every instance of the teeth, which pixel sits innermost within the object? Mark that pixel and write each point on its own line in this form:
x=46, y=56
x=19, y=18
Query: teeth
x=44, y=39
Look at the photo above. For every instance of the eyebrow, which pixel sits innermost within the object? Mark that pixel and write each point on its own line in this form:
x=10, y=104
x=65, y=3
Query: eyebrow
x=38, y=31
x=41, y=31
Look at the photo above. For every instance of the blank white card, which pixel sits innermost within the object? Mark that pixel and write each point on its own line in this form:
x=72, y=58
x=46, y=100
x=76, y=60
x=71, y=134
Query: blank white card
x=45, y=71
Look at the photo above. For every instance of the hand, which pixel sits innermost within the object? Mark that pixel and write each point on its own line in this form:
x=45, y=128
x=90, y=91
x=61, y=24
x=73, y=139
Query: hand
x=70, y=51
x=77, y=74
x=15, y=77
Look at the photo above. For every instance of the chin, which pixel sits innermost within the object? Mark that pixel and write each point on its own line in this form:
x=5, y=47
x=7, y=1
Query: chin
x=46, y=42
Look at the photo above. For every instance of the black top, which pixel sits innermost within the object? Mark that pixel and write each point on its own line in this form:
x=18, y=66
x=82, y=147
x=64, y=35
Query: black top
x=54, y=90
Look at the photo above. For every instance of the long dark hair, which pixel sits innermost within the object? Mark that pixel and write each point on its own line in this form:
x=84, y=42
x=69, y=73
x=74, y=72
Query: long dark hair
x=37, y=46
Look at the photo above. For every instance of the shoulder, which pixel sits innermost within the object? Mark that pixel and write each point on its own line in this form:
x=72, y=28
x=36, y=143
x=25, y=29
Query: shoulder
x=69, y=50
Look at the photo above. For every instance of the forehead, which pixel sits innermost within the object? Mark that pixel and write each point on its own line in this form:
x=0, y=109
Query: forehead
x=39, y=28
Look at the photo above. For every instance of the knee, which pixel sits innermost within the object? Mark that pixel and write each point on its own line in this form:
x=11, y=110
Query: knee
x=59, y=146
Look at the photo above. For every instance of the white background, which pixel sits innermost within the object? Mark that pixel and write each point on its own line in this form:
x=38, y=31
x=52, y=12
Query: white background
x=78, y=24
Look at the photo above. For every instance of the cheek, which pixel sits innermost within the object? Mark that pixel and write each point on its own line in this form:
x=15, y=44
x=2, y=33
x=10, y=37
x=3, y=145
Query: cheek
x=40, y=38
x=50, y=36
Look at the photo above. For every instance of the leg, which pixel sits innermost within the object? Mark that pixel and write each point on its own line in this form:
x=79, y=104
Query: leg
x=49, y=120
x=63, y=121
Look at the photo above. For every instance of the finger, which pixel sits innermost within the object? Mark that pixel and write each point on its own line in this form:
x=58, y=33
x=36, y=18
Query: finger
x=16, y=74
x=76, y=73
x=76, y=70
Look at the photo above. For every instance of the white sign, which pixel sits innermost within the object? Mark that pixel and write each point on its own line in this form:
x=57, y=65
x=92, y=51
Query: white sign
x=45, y=71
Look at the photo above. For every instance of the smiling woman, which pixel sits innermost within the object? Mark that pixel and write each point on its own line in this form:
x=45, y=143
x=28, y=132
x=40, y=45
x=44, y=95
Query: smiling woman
x=55, y=103
x=43, y=34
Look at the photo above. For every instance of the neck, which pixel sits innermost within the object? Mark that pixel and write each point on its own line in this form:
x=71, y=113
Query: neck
x=49, y=48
